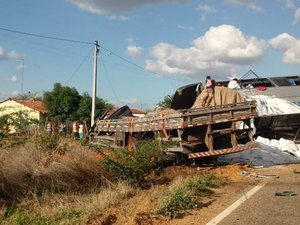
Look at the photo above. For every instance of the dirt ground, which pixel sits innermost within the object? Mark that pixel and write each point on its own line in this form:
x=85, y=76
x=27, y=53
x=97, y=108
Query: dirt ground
x=140, y=209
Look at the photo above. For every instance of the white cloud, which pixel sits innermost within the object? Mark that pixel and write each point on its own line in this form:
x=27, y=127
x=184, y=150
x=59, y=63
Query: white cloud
x=14, y=93
x=119, y=18
x=6, y=95
x=21, y=67
x=114, y=6
x=135, y=103
x=290, y=47
x=5, y=55
x=290, y=4
x=134, y=51
x=251, y=4
x=13, y=78
x=15, y=55
x=131, y=102
x=297, y=16
x=205, y=10
x=220, y=51
x=182, y=27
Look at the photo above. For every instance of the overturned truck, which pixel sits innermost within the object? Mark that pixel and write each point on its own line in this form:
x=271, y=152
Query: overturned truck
x=261, y=106
x=189, y=130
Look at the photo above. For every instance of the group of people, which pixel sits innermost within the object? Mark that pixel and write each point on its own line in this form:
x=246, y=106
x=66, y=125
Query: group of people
x=77, y=129
x=209, y=88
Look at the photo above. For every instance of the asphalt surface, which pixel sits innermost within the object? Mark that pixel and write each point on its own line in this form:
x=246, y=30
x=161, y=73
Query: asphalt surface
x=265, y=207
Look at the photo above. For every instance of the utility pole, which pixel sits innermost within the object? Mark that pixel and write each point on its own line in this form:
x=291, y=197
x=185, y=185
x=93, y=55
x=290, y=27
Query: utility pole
x=96, y=51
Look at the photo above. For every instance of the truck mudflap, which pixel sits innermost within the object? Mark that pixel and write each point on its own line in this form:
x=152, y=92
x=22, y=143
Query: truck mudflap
x=224, y=151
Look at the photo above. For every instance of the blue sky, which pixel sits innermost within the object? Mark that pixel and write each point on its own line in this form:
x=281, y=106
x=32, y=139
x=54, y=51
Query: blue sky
x=148, y=48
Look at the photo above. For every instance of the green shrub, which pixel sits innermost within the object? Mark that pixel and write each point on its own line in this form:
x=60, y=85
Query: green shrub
x=176, y=202
x=47, y=142
x=12, y=141
x=185, y=196
x=133, y=166
x=201, y=184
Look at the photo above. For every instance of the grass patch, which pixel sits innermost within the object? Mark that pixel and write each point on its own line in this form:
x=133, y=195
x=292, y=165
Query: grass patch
x=67, y=209
x=26, y=217
x=184, y=194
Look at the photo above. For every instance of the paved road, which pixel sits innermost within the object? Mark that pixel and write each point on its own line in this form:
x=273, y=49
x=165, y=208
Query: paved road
x=264, y=207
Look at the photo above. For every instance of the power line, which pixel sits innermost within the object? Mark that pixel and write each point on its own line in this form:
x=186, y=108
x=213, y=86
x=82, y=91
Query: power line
x=46, y=37
x=35, y=45
x=109, y=81
x=77, y=69
x=91, y=43
x=138, y=66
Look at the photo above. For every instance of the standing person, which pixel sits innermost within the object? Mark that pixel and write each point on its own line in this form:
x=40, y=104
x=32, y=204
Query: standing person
x=62, y=129
x=80, y=132
x=75, y=127
x=49, y=127
x=208, y=94
x=234, y=84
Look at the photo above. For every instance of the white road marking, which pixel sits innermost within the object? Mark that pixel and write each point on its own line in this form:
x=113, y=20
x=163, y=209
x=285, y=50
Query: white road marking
x=234, y=205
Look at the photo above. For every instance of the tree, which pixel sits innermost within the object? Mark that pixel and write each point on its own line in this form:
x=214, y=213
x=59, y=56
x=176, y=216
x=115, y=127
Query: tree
x=62, y=102
x=18, y=121
x=85, y=106
x=166, y=103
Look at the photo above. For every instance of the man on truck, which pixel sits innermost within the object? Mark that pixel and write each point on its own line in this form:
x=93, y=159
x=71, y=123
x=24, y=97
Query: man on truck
x=208, y=92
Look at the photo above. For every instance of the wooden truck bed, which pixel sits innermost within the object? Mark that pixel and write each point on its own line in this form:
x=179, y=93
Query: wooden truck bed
x=191, y=130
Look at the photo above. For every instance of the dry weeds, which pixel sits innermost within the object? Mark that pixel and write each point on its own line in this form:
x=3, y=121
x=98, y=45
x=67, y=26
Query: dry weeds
x=25, y=169
x=75, y=184
x=51, y=205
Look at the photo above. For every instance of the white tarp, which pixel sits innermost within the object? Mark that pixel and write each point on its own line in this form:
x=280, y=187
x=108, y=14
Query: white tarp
x=270, y=152
x=282, y=145
x=271, y=105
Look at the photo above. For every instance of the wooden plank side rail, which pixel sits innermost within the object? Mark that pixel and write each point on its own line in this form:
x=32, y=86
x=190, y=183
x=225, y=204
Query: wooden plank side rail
x=180, y=119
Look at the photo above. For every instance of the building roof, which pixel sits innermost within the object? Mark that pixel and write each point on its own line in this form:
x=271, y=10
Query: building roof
x=33, y=104
x=137, y=111
x=133, y=111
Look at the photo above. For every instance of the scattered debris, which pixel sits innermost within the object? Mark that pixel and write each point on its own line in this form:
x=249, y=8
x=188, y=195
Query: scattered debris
x=296, y=171
x=257, y=167
x=285, y=193
x=248, y=174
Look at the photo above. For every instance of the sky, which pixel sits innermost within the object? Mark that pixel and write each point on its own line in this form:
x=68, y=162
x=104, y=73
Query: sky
x=147, y=48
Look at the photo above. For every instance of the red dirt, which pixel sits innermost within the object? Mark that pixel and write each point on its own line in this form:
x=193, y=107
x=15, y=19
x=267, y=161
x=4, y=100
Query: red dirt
x=140, y=209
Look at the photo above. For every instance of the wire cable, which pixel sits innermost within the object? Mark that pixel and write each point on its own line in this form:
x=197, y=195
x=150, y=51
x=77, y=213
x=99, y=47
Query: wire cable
x=140, y=67
x=47, y=37
x=77, y=69
x=91, y=43
x=109, y=81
